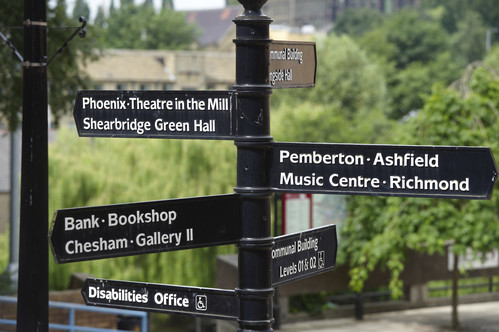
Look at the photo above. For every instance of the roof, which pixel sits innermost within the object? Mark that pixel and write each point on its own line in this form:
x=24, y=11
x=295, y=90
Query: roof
x=214, y=24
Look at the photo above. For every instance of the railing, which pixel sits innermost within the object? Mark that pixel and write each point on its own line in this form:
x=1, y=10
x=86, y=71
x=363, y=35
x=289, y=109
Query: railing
x=73, y=308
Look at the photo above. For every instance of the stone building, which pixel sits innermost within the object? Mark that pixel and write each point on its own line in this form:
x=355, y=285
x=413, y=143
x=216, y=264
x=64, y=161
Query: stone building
x=162, y=70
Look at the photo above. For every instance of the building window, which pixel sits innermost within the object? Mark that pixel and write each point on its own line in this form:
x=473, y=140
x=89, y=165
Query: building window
x=144, y=87
x=120, y=86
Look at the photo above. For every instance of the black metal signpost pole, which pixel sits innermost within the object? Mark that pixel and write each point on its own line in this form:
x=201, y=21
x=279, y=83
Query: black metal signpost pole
x=32, y=309
x=255, y=290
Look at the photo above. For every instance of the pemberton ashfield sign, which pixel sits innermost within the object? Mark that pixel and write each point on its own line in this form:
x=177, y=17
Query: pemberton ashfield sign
x=391, y=170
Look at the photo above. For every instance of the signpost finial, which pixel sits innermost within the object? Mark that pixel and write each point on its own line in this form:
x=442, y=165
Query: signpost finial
x=252, y=7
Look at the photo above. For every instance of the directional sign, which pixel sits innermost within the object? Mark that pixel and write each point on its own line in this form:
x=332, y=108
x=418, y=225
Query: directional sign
x=193, y=301
x=139, y=228
x=301, y=255
x=155, y=114
x=391, y=170
x=292, y=64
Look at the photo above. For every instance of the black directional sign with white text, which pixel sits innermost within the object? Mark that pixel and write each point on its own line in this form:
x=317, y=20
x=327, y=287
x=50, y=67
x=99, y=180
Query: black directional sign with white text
x=192, y=301
x=292, y=64
x=304, y=254
x=155, y=114
x=139, y=228
x=391, y=170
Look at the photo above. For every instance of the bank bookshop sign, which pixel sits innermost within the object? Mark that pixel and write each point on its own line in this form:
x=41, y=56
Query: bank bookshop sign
x=107, y=231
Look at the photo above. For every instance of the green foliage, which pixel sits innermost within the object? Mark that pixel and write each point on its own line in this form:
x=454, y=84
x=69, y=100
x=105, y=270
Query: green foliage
x=380, y=230
x=135, y=26
x=357, y=21
x=468, y=42
x=81, y=9
x=90, y=172
x=312, y=304
x=414, y=53
x=455, y=11
x=346, y=105
x=64, y=76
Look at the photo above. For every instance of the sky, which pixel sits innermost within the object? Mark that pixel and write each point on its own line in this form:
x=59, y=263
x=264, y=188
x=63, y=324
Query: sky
x=178, y=4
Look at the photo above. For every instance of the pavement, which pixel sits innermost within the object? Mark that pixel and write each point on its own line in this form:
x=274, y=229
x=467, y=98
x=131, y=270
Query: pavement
x=476, y=317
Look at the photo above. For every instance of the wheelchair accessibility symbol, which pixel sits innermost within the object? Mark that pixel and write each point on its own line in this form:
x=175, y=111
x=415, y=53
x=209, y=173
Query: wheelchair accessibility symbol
x=201, y=302
x=321, y=262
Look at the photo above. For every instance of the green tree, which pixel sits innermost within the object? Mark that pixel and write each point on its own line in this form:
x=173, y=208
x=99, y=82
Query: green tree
x=416, y=38
x=454, y=11
x=167, y=4
x=380, y=230
x=100, y=18
x=64, y=77
x=140, y=27
x=414, y=52
x=346, y=105
x=356, y=22
x=468, y=42
x=93, y=171
x=80, y=9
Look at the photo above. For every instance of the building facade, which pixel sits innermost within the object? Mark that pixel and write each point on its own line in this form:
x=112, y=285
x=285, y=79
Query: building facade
x=322, y=13
x=162, y=70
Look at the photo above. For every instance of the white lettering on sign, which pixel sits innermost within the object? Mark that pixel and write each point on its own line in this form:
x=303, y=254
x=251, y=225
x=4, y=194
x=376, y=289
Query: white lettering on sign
x=121, y=295
x=405, y=160
x=74, y=247
x=178, y=104
x=89, y=123
x=287, y=54
x=218, y=104
x=139, y=217
x=158, y=104
x=353, y=182
x=281, y=75
x=385, y=161
x=316, y=158
x=290, y=179
x=158, y=238
x=161, y=125
x=171, y=299
x=204, y=126
x=71, y=223
x=415, y=183
x=91, y=103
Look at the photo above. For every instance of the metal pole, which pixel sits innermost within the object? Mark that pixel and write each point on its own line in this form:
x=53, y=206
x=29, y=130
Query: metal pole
x=32, y=306
x=255, y=290
x=15, y=165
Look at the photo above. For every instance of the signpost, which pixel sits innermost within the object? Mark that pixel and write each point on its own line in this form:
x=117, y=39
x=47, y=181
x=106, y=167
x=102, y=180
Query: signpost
x=193, y=301
x=304, y=254
x=139, y=228
x=263, y=167
x=155, y=114
x=292, y=64
x=391, y=170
